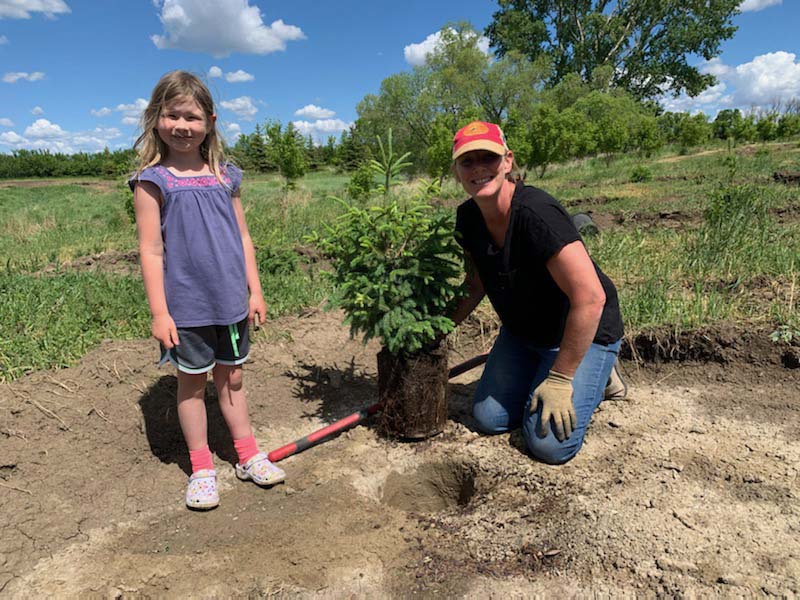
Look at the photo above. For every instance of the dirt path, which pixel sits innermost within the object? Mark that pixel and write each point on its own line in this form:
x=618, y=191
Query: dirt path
x=688, y=488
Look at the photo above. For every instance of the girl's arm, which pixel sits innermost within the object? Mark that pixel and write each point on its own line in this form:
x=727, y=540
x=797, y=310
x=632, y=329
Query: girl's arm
x=147, y=203
x=257, y=304
x=475, y=291
x=574, y=272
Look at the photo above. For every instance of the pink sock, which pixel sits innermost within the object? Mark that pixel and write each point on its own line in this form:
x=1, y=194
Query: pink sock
x=201, y=459
x=246, y=448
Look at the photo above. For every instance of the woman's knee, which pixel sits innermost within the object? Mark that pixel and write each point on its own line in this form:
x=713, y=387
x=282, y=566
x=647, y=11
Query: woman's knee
x=549, y=450
x=490, y=416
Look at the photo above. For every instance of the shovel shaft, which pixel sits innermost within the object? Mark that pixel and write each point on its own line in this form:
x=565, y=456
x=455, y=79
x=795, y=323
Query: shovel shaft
x=321, y=435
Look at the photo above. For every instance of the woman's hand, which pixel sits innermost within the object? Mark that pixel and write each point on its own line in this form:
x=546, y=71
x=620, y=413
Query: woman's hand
x=164, y=330
x=555, y=396
x=257, y=307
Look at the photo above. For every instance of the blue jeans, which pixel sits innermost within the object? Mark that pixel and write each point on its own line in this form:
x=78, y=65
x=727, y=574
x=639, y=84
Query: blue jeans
x=514, y=369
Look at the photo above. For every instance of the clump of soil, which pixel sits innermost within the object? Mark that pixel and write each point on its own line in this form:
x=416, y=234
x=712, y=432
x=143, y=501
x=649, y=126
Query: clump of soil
x=722, y=344
x=786, y=177
x=114, y=262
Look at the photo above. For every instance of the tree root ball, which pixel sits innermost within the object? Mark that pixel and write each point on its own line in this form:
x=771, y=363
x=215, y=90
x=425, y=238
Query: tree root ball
x=413, y=391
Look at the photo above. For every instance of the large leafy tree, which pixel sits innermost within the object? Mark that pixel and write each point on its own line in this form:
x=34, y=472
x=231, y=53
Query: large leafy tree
x=424, y=107
x=646, y=43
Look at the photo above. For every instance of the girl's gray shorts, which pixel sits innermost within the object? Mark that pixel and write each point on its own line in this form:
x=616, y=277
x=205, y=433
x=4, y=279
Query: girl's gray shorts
x=201, y=348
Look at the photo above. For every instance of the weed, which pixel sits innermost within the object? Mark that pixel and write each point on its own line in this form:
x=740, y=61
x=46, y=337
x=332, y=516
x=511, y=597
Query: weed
x=640, y=174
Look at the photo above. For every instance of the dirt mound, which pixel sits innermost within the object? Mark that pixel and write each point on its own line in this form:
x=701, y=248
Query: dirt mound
x=117, y=263
x=689, y=488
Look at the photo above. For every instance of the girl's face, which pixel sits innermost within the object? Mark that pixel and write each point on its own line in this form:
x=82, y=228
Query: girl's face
x=182, y=125
x=482, y=173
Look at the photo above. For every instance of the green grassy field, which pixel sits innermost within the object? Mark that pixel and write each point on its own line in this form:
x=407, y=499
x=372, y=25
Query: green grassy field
x=734, y=256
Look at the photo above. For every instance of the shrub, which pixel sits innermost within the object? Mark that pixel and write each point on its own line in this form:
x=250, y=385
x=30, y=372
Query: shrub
x=641, y=173
x=394, y=270
x=361, y=182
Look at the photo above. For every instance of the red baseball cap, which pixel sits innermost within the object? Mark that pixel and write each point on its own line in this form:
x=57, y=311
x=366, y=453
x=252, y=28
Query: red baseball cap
x=479, y=136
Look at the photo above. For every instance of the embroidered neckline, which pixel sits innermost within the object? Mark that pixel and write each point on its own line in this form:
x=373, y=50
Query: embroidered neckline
x=187, y=181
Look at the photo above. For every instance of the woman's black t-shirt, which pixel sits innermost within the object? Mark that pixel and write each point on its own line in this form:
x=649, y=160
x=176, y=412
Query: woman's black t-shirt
x=519, y=286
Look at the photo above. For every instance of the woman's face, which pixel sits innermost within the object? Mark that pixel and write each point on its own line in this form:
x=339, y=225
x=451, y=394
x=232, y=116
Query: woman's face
x=482, y=173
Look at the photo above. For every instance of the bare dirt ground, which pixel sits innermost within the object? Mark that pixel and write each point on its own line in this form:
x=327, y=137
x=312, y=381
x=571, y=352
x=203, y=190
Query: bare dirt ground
x=688, y=488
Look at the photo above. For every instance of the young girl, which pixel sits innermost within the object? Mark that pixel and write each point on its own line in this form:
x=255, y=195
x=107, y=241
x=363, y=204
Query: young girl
x=198, y=263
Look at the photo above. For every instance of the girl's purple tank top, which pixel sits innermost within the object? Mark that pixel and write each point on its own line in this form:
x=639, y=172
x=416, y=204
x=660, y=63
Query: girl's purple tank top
x=204, y=272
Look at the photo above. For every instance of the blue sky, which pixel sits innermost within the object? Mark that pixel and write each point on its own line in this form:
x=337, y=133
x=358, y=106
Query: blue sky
x=74, y=74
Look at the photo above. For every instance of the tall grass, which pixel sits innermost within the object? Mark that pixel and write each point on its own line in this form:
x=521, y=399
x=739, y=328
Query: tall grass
x=50, y=321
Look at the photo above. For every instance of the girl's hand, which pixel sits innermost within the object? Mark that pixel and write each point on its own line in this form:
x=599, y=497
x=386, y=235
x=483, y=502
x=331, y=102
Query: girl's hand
x=164, y=330
x=257, y=307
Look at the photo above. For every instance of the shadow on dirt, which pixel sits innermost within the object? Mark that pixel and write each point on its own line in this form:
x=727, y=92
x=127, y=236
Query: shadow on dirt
x=340, y=392
x=163, y=431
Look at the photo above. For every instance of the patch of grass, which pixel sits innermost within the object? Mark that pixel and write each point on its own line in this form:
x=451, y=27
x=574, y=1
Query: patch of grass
x=57, y=223
x=52, y=321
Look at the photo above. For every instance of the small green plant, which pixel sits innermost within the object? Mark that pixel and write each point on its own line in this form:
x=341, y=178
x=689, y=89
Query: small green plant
x=389, y=166
x=127, y=196
x=640, y=174
x=785, y=334
x=395, y=270
x=361, y=182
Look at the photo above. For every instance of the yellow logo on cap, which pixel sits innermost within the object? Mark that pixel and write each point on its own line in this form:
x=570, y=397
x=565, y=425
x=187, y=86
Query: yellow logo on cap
x=476, y=128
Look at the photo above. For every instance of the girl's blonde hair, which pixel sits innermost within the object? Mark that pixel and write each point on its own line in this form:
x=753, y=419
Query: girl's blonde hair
x=178, y=84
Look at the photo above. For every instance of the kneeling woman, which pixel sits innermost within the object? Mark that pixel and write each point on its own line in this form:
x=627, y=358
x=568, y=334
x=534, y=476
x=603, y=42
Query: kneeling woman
x=561, y=324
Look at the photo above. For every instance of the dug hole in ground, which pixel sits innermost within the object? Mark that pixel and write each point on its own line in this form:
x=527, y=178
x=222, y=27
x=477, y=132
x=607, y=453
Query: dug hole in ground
x=689, y=487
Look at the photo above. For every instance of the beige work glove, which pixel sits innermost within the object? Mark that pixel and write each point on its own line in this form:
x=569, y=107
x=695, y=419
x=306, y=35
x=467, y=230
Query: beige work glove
x=555, y=395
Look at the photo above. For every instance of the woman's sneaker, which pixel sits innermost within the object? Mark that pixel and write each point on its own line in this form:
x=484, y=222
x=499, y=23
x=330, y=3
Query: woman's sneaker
x=616, y=388
x=260, y=470
x=201, y=494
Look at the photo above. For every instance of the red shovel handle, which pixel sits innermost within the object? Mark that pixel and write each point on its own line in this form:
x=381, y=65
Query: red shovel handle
x=320, y=435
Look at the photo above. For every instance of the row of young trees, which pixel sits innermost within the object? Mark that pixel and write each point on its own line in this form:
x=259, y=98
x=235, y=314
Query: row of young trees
x=42, y=163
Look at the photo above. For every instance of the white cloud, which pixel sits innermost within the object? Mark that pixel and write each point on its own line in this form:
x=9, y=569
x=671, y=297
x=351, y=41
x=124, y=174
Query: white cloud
x=310, y=111
x=715, y=67
x=42, y=128
x=11, y=138
x=22, y=9
x=131, y=113
x=238, y=77
x=706, y=100
x=765, y=79
x=101, y=112
x=321, y=129
x=14, y=77
x=37, y=110
x=215, y=72
x=233, y=131
x=417, y=54
x=3, y=40
x=6, y=122
x=220, y=27
x=756, y=5
x=242, y=107
x=43, y=135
